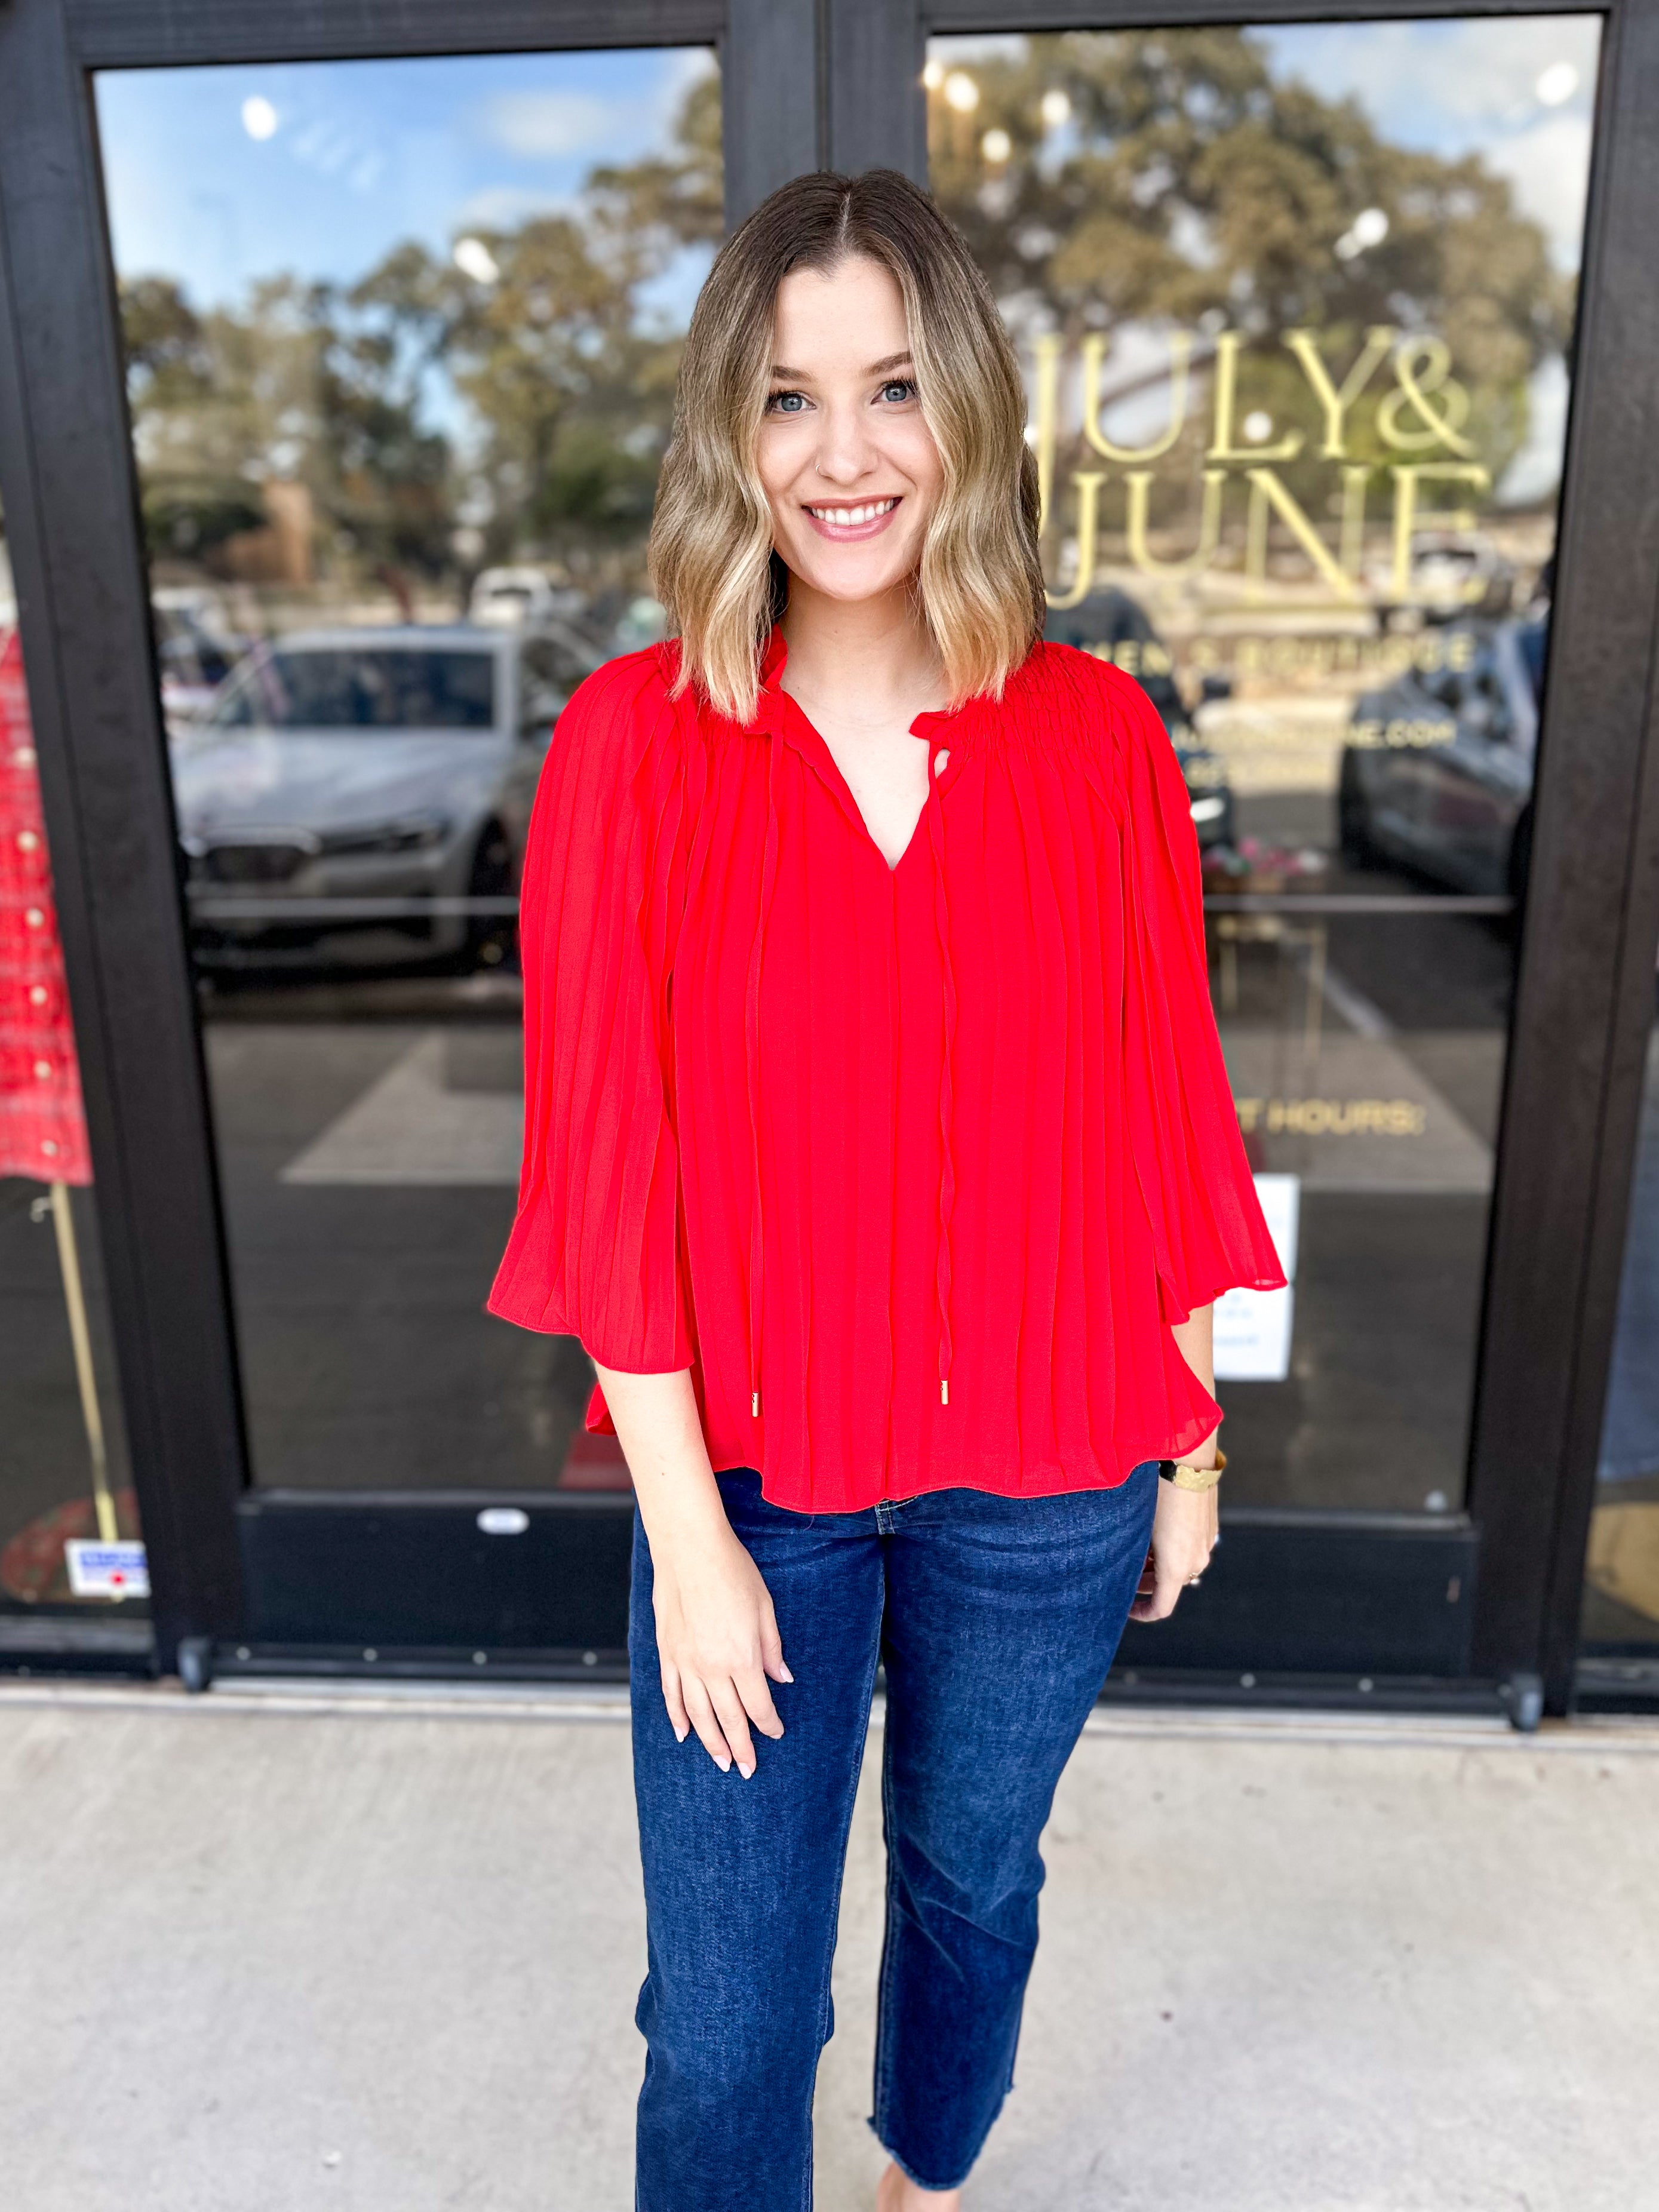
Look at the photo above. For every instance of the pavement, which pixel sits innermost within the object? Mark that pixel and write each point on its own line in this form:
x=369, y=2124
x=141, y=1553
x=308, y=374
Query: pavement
x=267, y=1950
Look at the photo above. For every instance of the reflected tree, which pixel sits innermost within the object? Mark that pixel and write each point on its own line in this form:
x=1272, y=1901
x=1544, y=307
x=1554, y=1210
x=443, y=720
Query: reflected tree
x=523, y=390
x=1175, y=180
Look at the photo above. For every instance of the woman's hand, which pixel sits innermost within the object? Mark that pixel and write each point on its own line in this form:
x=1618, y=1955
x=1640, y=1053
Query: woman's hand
x=717, y=1644
x=717, y=1635
x=1184, y=1529
x=1186, y=1522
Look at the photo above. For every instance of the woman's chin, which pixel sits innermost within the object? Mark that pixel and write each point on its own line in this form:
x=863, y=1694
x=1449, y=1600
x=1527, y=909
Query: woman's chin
x=850, y=579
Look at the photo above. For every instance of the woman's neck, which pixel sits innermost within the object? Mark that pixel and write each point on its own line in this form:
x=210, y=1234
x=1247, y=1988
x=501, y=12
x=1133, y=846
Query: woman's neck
x=861, y=660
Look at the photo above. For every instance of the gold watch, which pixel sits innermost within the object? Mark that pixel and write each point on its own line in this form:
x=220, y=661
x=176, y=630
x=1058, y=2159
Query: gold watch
x=1185, y=1476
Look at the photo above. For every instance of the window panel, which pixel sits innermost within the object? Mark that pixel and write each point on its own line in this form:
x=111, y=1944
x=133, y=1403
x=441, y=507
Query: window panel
x=401, y=343
x=1294, y=306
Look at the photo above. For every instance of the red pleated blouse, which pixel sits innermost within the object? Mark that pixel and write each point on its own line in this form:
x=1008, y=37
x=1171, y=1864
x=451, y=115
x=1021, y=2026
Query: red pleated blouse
x=912, y=1167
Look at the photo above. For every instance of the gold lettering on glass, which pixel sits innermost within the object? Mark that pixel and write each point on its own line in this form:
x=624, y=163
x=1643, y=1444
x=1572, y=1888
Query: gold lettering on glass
x=1223, y=446
x=1424, y=410
x=1267, y=490
x=1407, y=477
x=1418, y=391
x=1047, y=408
x=1088, y=482
x=1139, y=482
x=1094, y=353
x=1337, y=400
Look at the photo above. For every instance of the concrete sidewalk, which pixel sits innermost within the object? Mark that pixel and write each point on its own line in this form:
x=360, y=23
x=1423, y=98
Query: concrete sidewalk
x=263, y=1953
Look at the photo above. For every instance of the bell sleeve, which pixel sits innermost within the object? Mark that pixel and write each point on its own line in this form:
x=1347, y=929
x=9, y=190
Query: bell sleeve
x=594, y=1250
x=1208, y=1232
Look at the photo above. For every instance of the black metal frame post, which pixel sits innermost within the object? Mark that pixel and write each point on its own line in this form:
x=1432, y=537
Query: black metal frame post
x=1606, y=811
x=876, y=111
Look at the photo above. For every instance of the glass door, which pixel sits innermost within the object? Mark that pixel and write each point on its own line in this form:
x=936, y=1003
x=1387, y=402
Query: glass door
x=1296, y=306
x=400, y=341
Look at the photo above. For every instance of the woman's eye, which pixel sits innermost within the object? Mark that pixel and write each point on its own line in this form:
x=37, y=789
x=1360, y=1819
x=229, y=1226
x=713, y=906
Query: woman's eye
x=785, y=403
x=898, y=389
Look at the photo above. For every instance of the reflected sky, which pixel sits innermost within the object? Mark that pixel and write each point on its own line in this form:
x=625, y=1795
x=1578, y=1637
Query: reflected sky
x=215, y=176
x=1515, y=92
x=1518, y=90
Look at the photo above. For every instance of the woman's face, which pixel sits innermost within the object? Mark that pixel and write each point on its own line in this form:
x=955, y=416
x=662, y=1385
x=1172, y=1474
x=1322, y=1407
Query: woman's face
x=851, y=470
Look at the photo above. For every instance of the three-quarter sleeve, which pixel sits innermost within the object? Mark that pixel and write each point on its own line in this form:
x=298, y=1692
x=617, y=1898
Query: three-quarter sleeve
x=594, y=1250
x=1208, y=1233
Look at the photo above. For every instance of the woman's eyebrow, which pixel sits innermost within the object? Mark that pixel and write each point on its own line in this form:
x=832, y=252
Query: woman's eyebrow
x=877, y=369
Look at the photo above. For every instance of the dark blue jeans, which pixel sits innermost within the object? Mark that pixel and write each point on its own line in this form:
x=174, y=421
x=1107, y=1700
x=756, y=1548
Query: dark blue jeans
x=996, y=1620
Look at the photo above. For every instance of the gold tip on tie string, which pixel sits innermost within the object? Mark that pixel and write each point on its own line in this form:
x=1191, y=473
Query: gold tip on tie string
x=754, y=1405
x=944, y=1391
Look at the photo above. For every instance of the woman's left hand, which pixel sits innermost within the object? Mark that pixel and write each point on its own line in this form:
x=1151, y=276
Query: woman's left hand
x=1184, y=1529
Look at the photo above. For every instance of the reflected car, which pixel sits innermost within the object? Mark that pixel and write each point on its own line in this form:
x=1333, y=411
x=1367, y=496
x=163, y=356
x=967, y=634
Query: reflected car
x=343, y=770
x=515, y=598
x=196, y=648
x=1452, y=575
x=1438, y=770
x=1114, y=627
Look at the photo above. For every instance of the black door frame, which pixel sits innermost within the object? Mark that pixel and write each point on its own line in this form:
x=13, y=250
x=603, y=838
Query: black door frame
x=837, y=81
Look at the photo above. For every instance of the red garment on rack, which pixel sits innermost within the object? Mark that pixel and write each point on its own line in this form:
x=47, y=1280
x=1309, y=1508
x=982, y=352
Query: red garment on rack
x=43, y=1132
x=913, y=1168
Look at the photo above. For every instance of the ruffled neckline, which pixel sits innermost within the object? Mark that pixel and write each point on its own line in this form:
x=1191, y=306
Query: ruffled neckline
x=977, y=717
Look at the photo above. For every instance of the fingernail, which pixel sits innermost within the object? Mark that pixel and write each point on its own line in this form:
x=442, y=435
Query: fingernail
x=747, y=1772
x=784, y=1672
x=724, y=1765
x=680, y=1734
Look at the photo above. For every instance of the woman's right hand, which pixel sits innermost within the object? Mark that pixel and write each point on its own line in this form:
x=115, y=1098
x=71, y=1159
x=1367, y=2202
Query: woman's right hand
x=717, y=1644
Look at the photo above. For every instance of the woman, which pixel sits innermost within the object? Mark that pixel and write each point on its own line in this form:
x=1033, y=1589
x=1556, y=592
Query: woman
x=880, y=1151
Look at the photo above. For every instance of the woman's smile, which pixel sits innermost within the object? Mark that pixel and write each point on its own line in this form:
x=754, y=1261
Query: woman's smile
x=841, y=521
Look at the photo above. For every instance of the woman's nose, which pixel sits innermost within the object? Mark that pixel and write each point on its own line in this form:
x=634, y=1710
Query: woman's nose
x=845, y=451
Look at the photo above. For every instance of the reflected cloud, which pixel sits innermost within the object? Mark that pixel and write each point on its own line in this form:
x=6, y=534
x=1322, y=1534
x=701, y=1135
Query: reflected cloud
x=549, y=126
x=504, y=207
x=1548, y=170
x=1423, y=80
x=1535, y=471
x=370, y=152
x=1517, y=91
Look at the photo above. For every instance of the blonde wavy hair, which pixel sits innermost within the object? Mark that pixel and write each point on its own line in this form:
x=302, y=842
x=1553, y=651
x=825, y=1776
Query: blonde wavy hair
x=712, y=562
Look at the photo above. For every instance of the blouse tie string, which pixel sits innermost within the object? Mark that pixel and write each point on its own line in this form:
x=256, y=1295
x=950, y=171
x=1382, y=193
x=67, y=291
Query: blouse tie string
x=751, y=1054
x=947, y=1172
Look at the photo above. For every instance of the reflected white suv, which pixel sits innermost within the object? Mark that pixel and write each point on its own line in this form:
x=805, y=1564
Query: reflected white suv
x=359, y=797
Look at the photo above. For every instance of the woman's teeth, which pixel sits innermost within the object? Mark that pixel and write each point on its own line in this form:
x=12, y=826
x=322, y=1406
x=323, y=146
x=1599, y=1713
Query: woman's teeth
x=849, y=517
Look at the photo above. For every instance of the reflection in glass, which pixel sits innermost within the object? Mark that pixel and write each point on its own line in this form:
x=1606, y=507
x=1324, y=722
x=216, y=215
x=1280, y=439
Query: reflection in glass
x=1621, y=1588
x=415, y=686
x=1295, y=306
x=67, y=1521
x=401, y=345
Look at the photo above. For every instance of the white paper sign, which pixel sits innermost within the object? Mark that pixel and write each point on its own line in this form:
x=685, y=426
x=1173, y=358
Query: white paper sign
x=98, y=1569
x=1253, y=1327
